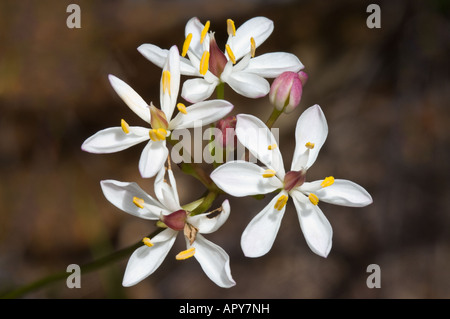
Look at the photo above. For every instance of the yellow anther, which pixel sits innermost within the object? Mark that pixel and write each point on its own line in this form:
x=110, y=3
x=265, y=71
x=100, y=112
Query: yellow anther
x=204, y=63
x=147, y=241
x=186, y=44
x=281, y=202
x=269, y=173
x=231, y=29
x=230, y=54
x=185, y=254
x=204, y=32
x=182, y=108
x=252, y=47
x=157, y=135
x=125, y=126
x=139, y=202
x=161, y=134
x=166, y=81
x=309, y=145
x=272, y=147
x=313, y=199
x=327, y=181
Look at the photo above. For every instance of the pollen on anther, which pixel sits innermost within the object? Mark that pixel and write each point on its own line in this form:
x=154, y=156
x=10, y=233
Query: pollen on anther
x=147, y=242
x=182, y=108
x=125, y=126
x=327, y=181
x=252, y=47
x=153, y=136
x=309, y=145
x=313, y=199
x=204, y=31
x=230, y=53
x=272, y=147
x=269, y=173
x=204, y=63
x=185, y=254
x=231, y=29
x=281, y=202
x=166, y=81
x=186, y=44
x=139, y=202
x=161, y=134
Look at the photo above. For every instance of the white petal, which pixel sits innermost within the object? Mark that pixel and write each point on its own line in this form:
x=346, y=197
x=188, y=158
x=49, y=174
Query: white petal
x=134, y=101
x=241, y=178
x=167, y=194
x=214, y=261
x=152, y=158
x=271, y=65
x=255, y=135
x=169, y=98
x=196, y=90
x=206, y=223
x=200, y=114
x=247, y=84
x=121, y=195
x=341, y=192
x=154, y=54
x=315, y=226
x=259, y=235
x=195, y=27
x=259, y=28
x=114, y=139
x=311, y=127
x=145, y=260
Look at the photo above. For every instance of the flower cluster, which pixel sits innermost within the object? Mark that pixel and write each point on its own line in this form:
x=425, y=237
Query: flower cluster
x=237, y=66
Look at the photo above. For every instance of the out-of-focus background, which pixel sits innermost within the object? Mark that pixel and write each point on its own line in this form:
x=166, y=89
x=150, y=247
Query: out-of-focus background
x=385, y=93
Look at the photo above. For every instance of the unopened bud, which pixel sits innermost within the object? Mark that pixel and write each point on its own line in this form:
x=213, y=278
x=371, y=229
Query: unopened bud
x=217, y=59
x=157, y=118
x=286, y=91
x=175, y=220
x=227, y=127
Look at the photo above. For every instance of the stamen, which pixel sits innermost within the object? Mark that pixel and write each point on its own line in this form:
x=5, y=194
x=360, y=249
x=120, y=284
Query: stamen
x=313, y=198
x=204, y=63
x=252, y=47
x=185, y=254
x=153, y=136
x=230, y=54
x=231, y=29
x=182, y=108
x=204, y=32
x=269, y=173
x=309, y=145
x=125, y=126
x=139, y=202
x=327, y=181
x=281, y=202
x=186, y=44
x=161, y=134
x=272, y=147
x=166, y=81
x=147, y=241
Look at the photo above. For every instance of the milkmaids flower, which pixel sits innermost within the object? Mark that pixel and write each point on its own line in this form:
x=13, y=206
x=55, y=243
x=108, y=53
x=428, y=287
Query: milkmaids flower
x=130, y=198
x=241, y=178
x=162, y=124
x=236, y=65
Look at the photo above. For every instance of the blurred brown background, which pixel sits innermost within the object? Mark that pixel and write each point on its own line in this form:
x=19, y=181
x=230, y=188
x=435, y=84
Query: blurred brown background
x=385, y=93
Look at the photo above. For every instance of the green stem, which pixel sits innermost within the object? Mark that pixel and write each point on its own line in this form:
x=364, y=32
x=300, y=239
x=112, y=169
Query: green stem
x=206, y=203
x=220, y=91
x=273, y=117
x=94, y=265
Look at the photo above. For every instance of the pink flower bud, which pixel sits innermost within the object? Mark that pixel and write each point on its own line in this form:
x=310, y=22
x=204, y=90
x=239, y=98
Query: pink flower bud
x=175, y=220
x=227, y=126
x=286, y=91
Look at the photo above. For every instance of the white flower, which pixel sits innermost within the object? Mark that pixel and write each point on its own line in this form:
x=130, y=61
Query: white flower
x=130, y=198
x=155, y=153
x=236, y=65
x=241, y=178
